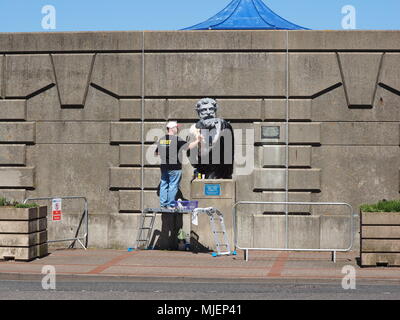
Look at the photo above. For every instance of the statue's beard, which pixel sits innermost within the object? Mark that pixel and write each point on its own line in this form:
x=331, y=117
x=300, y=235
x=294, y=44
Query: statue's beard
x=208, y=122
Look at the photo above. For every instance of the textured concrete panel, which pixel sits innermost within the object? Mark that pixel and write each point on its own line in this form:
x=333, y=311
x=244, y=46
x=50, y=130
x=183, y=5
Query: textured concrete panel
x=275, y=196
x=269, y=231
x=151, y=200
x=378, y=218
x=156, y=109
x=118, y=73
x=388, y=245
x=78, y=170
x=299, y=133
x=2, y=59
x=125, y=132
x=185, y=109
x=67, y=226
x=99, y=106
x=245, y=223
x=23, y=240
x=151, y=178
x=360, y=75
x=130, y=109
x=335, y=232
x=305, y=179
x=233, y=109
x=130, y=155
x=344, y=40
x=21, y=132
x=12, y=110
x=390, y=70
x=23, y=226
x=71, y=41
x=275, y=109
x=304, y=232
x=72, y=73
x=129, y=200
x=275, y=156
x=332, y=106
x=125, y=178
x=215, y=74
x=380, y=232
x=26, y=74
x=72, y=132
x=317, y=71
x=360, y=133
x=216, y=40
x=11, y=177
x=356, y=175
x=299, y=179
x=374, y=259
x=13, y=195
x=24, y=253
x=10, y=213
x=118, y=237
x=305, y=133
x=12, y=155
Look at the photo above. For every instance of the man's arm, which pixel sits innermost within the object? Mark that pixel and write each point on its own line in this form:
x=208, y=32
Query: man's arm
x=195, y=143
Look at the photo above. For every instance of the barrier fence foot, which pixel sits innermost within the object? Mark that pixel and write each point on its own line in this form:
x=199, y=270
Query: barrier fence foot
x=246, y=255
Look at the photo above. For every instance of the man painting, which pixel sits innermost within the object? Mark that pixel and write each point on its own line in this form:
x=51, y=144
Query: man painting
x=170, y=148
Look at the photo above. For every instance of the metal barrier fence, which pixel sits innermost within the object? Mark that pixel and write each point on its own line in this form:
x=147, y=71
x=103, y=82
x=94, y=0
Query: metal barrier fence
x=84, y=216
x=246, y=250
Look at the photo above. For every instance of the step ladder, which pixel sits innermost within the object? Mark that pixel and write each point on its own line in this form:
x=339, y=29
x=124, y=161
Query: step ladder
x=220, y=237
x=145, y=230
x=146, y=225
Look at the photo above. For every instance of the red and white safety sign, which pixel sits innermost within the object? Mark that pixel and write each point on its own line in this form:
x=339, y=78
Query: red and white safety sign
x=56, y=209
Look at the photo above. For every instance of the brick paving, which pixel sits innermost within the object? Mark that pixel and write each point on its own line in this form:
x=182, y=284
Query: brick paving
x=181, y=264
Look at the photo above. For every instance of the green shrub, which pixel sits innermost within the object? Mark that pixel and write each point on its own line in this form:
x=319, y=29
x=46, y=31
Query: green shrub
x=26, y=205
x=6, y=203
x=382, y=206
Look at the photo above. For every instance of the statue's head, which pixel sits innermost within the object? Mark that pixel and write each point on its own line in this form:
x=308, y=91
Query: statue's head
x=207, y=108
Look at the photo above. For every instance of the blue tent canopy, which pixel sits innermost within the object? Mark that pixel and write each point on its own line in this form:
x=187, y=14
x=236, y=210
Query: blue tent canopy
x=246, y=15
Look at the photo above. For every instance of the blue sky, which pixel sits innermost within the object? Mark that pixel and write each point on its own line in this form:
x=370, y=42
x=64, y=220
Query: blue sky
x=95, y=15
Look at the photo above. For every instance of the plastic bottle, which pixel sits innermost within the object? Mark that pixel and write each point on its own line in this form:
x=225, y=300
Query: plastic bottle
x=187, y=242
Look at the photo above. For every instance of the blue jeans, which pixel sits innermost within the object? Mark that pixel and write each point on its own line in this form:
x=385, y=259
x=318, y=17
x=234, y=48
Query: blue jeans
x=170, y=181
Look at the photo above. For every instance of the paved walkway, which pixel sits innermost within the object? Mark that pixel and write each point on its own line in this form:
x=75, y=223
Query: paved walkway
x=180, y=264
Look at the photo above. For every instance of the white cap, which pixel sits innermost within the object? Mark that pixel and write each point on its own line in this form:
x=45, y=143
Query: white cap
x=172, y=124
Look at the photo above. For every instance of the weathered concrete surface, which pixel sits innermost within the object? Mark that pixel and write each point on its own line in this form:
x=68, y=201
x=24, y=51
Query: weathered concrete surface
x=23, y=226
x=23, y=240
x=73, y=73
x=71, y=119
x=214, y=72
x=12, y=155
x=11, y=213
x=24, y=253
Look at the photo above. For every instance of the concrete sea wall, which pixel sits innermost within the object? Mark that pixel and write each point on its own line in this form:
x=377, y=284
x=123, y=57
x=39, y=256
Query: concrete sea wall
x=77, y=109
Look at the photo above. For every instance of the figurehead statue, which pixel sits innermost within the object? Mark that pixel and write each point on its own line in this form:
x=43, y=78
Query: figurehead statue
x=214, y=157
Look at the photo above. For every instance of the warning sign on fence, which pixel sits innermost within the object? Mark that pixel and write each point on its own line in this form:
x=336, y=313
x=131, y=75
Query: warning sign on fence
x=56, y=209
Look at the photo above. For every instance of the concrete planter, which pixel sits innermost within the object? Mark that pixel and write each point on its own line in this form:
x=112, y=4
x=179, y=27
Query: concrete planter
x=380, y=239
x=23, y=233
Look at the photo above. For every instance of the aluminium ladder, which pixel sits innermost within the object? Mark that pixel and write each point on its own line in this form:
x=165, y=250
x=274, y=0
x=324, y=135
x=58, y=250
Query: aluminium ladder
x=220, y=241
